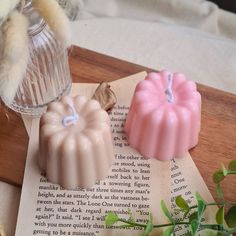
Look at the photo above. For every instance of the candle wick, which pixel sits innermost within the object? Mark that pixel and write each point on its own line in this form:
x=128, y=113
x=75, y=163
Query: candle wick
x=70, y=119
x=169, y=92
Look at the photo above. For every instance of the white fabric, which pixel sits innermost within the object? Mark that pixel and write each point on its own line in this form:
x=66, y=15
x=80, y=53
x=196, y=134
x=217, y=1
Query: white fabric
x=203, y=57
x=189, y=36
x=198, y=14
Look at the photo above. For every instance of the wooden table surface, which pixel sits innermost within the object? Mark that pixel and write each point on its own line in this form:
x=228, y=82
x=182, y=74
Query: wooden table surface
x=217, y=142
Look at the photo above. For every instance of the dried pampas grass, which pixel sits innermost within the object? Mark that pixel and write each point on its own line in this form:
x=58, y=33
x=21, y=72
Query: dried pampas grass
x=15, y=55
x=6, y=6
x=14, y=51
x=55, y=17
x=15, y=37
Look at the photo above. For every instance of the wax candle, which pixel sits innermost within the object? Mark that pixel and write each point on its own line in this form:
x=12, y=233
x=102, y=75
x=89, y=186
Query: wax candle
x=164, y=117
x=75, y=142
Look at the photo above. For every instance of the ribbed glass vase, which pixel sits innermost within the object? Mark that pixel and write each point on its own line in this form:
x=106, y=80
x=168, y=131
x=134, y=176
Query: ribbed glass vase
x=48, y=76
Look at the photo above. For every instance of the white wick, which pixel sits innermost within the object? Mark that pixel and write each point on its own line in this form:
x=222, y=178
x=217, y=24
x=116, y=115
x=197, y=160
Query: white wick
x=168, y=91
x=70, y=119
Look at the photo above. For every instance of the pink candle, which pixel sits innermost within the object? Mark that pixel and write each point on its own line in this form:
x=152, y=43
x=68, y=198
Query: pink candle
x=164, y=117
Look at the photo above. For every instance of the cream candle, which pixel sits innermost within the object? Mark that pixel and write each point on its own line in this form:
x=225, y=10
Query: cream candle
x=164, y=117
x=75, y=139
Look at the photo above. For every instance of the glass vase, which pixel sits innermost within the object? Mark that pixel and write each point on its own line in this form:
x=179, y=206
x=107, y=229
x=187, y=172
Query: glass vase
x=48, y=75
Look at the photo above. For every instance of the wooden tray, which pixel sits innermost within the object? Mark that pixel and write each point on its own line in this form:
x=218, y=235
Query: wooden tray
x=217, y=142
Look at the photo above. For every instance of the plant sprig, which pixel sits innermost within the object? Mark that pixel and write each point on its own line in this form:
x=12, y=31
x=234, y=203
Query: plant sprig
x=225, y=224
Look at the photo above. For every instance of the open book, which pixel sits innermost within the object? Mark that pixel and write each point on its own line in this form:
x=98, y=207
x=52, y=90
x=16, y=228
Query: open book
x=133, y=183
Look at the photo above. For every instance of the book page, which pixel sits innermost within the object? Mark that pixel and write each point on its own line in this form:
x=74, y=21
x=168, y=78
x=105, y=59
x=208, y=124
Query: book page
x=133, y=184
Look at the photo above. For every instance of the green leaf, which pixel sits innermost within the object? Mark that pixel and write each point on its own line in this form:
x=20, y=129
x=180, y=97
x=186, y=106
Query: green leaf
x=199, y=197
x=193, y=220
x=232, y=165
x=149, y=226
x=194, y=226
x=193, y=216
x=111, y=218
x=224, y=170
x=181, y=203
x=230, y=217
x=219, y=191
x=201, y=208
x=218, y=176
x=166, y=211
x=168, y=231
x=201, y=205
x=220, y=216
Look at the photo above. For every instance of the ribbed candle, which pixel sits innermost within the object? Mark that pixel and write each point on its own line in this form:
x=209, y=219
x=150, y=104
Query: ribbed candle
x=75, y=142
x=165, y=114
